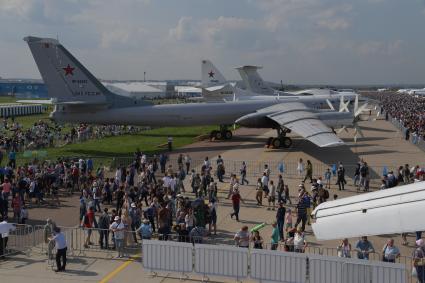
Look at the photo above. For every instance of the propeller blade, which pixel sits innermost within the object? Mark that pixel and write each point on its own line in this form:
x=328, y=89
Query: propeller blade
x=341, y=104
x=330, y=104
x=356, y=104
x=346, y=106
x=360, y=110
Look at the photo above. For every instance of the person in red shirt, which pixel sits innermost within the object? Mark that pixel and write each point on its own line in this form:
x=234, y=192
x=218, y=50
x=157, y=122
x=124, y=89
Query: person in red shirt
x=236, y=201
x=88, y=224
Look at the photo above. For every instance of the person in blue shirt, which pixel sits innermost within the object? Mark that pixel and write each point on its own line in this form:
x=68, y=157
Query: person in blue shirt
x=328, y=175
x=364, y=248
x=145, y=230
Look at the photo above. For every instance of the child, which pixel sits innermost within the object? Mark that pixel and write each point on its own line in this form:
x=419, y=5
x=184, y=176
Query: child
x=328, y=178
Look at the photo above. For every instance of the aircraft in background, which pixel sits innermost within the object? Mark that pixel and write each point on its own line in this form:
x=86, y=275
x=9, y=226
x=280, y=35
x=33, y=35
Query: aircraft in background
x=253, y=87
x=390, y=211
x=80, y=98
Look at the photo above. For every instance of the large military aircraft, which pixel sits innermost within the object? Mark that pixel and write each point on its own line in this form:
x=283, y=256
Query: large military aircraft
x=80, y=98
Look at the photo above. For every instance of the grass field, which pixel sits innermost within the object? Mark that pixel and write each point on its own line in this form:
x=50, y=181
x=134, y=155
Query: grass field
x=105, y=149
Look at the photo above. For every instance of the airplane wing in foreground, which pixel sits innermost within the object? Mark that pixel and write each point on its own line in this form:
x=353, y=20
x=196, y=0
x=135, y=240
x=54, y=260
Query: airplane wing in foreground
x=298, y=118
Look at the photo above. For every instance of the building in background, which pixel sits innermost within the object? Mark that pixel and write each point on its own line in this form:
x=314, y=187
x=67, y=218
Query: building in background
x=23, y=88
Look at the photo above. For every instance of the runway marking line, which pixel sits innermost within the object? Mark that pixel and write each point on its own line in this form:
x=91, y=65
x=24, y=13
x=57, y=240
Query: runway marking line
x=117, y=270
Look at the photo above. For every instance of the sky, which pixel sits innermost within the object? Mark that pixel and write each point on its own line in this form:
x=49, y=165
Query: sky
x=296, y=41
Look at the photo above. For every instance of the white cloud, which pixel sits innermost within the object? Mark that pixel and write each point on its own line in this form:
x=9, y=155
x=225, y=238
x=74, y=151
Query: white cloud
x=19, y=8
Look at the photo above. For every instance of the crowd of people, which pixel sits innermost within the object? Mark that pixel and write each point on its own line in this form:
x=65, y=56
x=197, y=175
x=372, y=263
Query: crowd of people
x=153, y=198
x=409, y=110
x=15, y=138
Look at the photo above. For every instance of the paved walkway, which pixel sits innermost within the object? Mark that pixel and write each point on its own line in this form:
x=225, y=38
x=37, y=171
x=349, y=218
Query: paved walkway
x=382, y=145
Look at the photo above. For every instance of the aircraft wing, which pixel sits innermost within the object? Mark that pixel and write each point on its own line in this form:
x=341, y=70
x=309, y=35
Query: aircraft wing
x=298, y=118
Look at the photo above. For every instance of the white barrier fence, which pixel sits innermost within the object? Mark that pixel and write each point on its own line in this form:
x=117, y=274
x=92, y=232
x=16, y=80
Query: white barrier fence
x=167, y=256
x=336, y=269
x=225, y=261
x=266, y=265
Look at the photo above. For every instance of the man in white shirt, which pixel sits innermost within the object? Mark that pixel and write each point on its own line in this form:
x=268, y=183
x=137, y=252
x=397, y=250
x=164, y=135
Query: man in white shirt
x=117, y=227
x=61, y=248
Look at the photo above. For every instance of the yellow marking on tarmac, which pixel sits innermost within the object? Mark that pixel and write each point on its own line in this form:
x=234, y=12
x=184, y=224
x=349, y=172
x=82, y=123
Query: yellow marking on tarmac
x=117, y=270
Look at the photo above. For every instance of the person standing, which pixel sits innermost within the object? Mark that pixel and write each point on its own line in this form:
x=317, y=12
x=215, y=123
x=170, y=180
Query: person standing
x=187, y=161
x=242, y=237
x=117, y=227
x=243, y=173
x=364, y=248
x=301, y=212
x=236, y=200
x=390, y=252
x=280, y=219
x=419, y=260
x=309, y=172
x=344, y=249
x=300, y=167
x=280, y=189
x=257, y=240
x=104, y=222
x=274, y=236
x=340, y=177
x=272, y=196
x=61, y=247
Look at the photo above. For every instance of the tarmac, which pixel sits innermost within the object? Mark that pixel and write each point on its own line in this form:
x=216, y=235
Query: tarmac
x=382, y=145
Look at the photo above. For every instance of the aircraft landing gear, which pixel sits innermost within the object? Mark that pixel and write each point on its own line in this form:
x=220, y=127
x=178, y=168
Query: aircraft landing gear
x=281, y=140
x=222, y=134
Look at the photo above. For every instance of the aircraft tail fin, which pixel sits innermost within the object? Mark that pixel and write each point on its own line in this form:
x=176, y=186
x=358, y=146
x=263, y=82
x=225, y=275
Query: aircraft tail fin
x=211, y=76
x=67, y=80
x=253, y=80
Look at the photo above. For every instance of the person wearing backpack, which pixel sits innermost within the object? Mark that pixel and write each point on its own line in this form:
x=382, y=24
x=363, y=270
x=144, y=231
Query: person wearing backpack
x=419, y=260
x=104, y=223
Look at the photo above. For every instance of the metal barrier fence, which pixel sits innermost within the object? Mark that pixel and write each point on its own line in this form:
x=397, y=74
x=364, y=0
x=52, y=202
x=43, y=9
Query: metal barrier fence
x=267, y=265
x=81, y=241
x=288, y=169
x=17, y=241
x=414, y=139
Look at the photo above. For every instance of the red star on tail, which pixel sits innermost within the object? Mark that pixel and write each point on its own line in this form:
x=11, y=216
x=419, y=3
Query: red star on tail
x=69, y=70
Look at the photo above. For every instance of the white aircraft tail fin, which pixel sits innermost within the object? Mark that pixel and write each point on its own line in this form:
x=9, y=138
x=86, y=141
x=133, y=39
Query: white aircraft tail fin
x=67, y=80
x=253, y=80
x=211, y=76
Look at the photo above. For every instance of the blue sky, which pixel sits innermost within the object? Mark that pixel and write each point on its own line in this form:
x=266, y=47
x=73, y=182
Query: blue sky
x=296, y=41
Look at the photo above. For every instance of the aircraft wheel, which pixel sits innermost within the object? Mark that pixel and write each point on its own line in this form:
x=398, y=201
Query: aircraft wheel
x=287, y=142
x=228, y=135
x=276, y=143
x=218, y=135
